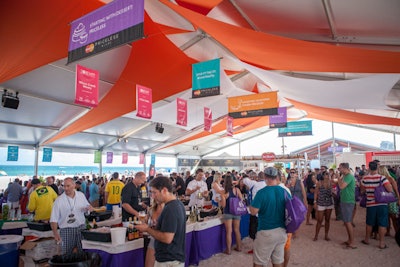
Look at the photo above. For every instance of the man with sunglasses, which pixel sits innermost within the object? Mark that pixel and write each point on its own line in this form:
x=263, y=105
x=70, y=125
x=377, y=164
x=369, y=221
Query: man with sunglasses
x=68, y=214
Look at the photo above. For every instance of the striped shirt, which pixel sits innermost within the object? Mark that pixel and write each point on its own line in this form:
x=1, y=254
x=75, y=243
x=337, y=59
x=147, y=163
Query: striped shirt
x=370, y=182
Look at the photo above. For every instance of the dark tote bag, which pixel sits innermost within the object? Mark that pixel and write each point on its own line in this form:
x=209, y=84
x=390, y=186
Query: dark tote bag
x=363, y=201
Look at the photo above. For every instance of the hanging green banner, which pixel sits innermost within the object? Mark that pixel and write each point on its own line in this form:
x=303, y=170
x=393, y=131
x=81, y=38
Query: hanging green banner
x=97, y=157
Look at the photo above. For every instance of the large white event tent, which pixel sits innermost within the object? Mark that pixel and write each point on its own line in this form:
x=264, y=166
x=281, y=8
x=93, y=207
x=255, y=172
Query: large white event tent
x=337, y=61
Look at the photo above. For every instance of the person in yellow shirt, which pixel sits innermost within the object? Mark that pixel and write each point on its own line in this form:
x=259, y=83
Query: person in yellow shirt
x=113, y=191
x=41, y=200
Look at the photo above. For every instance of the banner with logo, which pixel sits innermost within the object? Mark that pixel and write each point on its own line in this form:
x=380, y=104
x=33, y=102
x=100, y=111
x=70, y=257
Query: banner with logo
x=47, y=154
x=144, y=102
x=86, y=86
x=280, y=120
x=207, y=119
x=12, y=153
x=117, y=23
x=229, y=126
x=206, y=78
x=181, y=111
x=296, y=128
x=254, y=105
x=124, y=158
x=110, y=157
x=97, y=157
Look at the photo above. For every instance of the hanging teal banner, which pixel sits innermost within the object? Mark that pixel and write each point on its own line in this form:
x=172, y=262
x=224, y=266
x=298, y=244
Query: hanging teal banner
x=206, y=78
x=47, y=154
x=296, y=128
x=153, y=159
x=12, y=154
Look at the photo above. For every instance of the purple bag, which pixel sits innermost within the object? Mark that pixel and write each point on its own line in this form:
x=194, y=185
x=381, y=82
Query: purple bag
x=363, y=201
x=295, y=211
x=237, y=206
x=383, y=196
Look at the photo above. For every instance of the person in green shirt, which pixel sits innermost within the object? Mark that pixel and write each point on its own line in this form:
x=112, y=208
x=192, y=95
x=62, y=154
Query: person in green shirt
x=347, y=185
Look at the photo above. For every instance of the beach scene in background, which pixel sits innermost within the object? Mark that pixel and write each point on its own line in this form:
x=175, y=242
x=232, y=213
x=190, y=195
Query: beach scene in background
x=25, y=172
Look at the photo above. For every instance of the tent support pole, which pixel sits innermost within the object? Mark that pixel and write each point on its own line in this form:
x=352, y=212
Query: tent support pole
x=35, y=170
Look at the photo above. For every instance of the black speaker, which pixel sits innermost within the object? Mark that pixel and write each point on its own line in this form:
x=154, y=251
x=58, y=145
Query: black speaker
x=10, y=101
x=159, y=128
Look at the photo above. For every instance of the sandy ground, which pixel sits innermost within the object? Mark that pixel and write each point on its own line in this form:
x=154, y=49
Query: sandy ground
x=306, y=252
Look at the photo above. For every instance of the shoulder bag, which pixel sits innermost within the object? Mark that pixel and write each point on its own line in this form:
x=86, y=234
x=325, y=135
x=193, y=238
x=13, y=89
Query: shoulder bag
x=237, y=206
x=383, y=196
x=295, y=211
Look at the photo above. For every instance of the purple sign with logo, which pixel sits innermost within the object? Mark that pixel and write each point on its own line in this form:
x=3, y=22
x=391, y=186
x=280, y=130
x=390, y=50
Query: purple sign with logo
x=109, y=157
x=117, y=23
x=280, y=120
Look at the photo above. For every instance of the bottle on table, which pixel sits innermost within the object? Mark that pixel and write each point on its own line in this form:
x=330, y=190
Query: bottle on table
x=94, y=224
x=131, y=234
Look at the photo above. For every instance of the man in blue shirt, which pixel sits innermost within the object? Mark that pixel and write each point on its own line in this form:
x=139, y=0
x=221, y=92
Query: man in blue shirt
x=269, y=204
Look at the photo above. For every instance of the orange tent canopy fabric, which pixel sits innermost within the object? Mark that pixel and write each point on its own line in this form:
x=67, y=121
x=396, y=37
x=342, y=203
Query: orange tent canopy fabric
x=35, y=34
x=279, y=53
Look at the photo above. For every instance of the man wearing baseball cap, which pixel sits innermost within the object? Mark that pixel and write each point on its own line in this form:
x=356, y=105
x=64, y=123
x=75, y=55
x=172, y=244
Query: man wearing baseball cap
x=41, y=200
x=269, y=204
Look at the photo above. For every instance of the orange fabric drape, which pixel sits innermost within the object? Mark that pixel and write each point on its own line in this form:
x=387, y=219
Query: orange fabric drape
x=34, y=34
x=154, y=62
x=343, y=116
x=200, y=6
x=279, y=53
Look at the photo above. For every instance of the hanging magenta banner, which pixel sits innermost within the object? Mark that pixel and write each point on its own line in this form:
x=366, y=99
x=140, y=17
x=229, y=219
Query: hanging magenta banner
x=141, y=158
x=181, y=111
x=144, y=102
x=124, y=158
x=86, y=86
x=229, y=126
x=207, y=119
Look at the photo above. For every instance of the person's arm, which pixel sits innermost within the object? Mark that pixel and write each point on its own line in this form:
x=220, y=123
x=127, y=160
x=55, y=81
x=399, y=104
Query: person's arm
x=54, y=227
x=223, y=199
x=190, y=191
x=303, y=191
x=388, y=186
x=253, y=211
x=128, y=208
x=163, y=237
x=316, y=192
x=218, y=189
x=342, y=183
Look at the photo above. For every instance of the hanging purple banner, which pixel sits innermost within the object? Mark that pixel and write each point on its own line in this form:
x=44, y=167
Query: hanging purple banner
x=280, y=120
x=109, y=157
x=112, y=25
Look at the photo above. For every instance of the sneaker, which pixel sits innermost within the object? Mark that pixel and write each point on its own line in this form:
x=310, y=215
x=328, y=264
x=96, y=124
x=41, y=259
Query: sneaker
x=250, y=252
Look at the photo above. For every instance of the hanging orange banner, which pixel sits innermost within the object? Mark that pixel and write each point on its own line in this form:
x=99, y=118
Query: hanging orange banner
x=254, y=105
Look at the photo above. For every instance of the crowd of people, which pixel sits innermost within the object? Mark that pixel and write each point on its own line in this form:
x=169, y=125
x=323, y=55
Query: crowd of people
x=64, y=203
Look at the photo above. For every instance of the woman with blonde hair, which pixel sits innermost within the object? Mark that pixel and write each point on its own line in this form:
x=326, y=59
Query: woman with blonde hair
x=394, y=206
x=217, y=189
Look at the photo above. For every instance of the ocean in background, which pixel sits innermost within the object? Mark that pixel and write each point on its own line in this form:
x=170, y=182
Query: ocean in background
x=25, y=172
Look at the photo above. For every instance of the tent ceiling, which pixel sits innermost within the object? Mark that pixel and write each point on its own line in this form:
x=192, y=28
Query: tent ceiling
x=47, y=91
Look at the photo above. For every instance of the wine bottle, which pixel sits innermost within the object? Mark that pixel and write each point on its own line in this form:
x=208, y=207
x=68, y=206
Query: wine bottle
x=94, y=224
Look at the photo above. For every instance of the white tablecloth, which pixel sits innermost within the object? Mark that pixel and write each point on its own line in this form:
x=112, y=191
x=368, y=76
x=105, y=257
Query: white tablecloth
x=41, y=234
x=109, y=222
x=113, y=249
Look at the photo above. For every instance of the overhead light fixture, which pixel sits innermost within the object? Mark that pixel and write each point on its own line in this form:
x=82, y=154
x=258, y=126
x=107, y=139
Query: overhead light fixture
x=118, y=139
x=8, y=100
x=159, y=128
x=126, y=140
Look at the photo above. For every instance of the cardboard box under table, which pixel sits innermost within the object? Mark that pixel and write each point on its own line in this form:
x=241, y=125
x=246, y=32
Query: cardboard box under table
x=131, y=252
x=41, y=249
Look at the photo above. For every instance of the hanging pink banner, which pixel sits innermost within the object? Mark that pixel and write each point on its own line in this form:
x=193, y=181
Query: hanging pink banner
x=109, y=157
x=144, y=102
x=229, y=126
x=181, y=112
x=86, y=86
x=207, y=119
x=141, y=158
x=124, y=158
